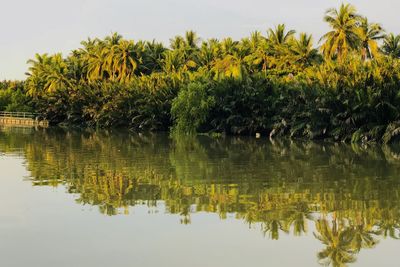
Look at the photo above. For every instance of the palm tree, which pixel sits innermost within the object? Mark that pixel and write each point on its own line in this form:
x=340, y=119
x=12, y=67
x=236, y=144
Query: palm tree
x=93, y=54
x=369, y=34
x=344, y=34
x=113, y=39
x=35, y=73
x=303, y=49
x=122, y=60
x=279, y=36
x=230, y=66
x=153, y=56
x=178, y=42
x=191, y=39
x=209, y=51
x=255, y=40
x=56, y=75
x=278, y=43
x=391, y=45
x=47, y=74
x=229, y=46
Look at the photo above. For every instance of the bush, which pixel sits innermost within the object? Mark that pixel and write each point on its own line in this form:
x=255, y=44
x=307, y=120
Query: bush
x=191, y=108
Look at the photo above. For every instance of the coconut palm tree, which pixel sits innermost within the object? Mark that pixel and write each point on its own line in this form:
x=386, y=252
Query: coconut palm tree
x=93, y=55
x=56, y=75
x=153, y=56
x=230, y=66
x=47, y=74
x=391, y=45
x=122, y=60
x=370, y=34
x=303, y=49
x=191, y=39
x=279, y=36
x=209, y=51
x=229, y=46
x=178, y=42
x=344, y=34
x=113, y=39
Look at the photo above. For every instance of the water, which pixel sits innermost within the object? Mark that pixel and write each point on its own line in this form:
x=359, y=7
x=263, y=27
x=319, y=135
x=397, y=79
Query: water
x=71, y=198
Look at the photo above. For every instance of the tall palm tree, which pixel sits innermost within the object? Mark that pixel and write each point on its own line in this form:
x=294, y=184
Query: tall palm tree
x=232, y=63
x=95, y=64
x=113, y=39
x=370, y=34
x=255, y=40
x=153, y=56
x=260, y=54
x=279, y=36
x=93, y=55
x=209, y=51
x=176, y=43
x=229, y=46
x=344, y=34
x=191, y=39
x=56, y=75
x=123, y=60
x=230, y=66
x=47, y=74
x=391, y=45
x=279, y=41
x=303, y=49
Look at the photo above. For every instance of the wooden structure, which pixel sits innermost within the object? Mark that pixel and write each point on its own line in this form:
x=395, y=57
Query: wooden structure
x=23, y=119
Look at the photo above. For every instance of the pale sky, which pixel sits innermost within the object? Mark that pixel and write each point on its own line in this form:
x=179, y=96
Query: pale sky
x=38, y=26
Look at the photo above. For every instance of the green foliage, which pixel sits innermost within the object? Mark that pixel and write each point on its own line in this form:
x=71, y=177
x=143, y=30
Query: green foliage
x=277, y=84
x=191, y=108
x=14, y=98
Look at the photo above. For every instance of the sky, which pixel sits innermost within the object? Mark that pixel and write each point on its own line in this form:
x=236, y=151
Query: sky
x=49, y=26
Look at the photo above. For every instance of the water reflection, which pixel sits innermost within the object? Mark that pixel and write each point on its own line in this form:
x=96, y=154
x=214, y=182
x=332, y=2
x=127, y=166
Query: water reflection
x=349, y=194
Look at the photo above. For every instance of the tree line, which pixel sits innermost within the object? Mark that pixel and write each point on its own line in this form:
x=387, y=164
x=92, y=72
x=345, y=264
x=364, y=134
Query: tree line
x=275, y=84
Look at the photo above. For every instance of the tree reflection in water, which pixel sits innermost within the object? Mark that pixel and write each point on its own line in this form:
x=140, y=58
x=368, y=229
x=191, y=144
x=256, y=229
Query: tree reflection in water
x=350, y=194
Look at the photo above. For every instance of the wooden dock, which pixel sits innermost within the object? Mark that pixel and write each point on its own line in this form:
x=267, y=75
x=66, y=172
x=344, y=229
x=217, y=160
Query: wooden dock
x=22, y=119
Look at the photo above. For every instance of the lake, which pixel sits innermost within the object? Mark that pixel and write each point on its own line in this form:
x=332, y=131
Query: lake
x=113, y=198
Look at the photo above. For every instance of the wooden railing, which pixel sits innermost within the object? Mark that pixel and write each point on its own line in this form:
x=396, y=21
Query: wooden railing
x=23, y=119
x=24, y=115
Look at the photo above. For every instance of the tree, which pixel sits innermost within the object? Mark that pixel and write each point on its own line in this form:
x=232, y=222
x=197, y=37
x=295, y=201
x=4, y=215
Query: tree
x=123, y=59
x=303, y=49
x=47, y=74
x=370, y=34
x=191, y=39
x=344, y=34
x=279, y=36
x=391, y=45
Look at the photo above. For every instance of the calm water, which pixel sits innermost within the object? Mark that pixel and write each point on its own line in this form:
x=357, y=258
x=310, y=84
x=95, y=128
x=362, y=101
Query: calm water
x=71, y=198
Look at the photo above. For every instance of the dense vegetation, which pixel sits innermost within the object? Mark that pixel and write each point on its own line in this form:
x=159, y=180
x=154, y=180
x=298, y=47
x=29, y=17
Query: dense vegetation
x=277, y=85
x=347, y=196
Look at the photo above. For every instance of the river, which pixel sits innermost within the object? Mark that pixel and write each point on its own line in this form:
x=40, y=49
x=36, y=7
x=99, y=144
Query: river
x=113, y=198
